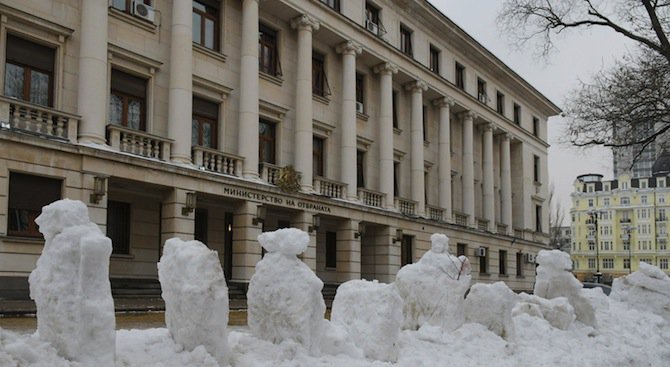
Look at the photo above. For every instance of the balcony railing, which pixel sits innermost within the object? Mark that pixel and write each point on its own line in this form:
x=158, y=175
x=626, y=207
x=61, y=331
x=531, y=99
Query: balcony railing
x=406, y=206
x=216, y=161
x=624, y=220
x=139, y=142
x=518, y=232
x=435, y=213
x=38, y=120
x=460, y=218
x=330, y=188
x=661, y=219
x=482, y=224
x=371, y=198
x=501, y=228
x=270, y=173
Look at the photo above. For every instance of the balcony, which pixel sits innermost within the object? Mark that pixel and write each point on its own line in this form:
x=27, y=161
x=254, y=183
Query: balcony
x=330, y=188
x=501, y=228
x=435, y=213
x=661, y=219
x=139, y=142
x=406, y=206
x=518, y=233
x=482, y=224
x=371, y=198
x=624, y=220
x=461, y=219
x=269, y=173
x=38, y=120
x=215, y=161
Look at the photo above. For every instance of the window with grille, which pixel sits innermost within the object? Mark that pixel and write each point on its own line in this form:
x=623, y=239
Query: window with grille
x=127, y=102
x=29, y=70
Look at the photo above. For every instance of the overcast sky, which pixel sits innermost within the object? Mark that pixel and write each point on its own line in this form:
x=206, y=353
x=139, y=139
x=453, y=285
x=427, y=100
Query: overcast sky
x=578, y=55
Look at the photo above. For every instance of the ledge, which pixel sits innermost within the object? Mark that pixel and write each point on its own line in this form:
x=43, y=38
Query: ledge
x=362, y=116
x=321, y=99
x=271, y=78
x=137, y=22
x=209, y=52
x=23, y=240
x=122, y=256
x=397, y=131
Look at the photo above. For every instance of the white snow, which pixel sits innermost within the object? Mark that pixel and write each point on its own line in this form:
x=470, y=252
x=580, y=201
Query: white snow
x=491, y=306
x=70, y=285
x=371, y=312
x=554, y=279
x=196, y=297
x=284, y=299
x=647, y=289
x=558, y=311
x=432, y=289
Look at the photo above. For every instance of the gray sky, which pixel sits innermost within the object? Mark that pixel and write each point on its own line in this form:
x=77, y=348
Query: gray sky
x=578, y=55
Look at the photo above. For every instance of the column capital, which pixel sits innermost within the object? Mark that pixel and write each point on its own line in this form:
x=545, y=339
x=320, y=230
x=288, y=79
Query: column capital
x=487, y=126
x=506, y=136
x=470, y=115
x=305, y=22
x=349, y=48
x=416, y=86
x=385, y=68
x=444, y=102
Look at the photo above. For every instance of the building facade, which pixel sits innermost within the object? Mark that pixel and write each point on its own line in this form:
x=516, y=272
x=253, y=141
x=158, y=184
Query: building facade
x=619, y=223
x=368, y=124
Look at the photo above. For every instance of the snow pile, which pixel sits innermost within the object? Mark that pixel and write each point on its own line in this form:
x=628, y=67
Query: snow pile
x=433, y=288
x=284, y=298
x=371, y=312
x=17, y=350
x=646, y=289
x=558, y=311
x=196, y=297
x=554, y=279
x=491, y=305
x=155, y=348
x=70, y=285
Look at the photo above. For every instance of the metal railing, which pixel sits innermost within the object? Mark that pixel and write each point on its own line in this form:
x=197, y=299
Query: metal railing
x=216, y=161
x=139, y=142
x=38, y=120
x=330, y=188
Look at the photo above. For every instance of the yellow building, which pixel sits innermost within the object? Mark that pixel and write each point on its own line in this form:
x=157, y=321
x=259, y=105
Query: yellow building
x=618, y=224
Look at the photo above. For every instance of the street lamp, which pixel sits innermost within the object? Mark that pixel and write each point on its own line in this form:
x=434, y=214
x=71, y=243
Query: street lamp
x=592, y=225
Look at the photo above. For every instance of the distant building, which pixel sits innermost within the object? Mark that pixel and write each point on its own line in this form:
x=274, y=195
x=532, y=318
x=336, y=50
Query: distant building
x=636, y=160
x=619, y=223
x=560, y=238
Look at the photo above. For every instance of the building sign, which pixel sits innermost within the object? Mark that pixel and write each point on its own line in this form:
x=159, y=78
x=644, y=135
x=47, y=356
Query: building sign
x=275, y=200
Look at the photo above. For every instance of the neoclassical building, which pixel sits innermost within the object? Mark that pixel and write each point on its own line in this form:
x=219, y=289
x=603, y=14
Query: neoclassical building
x=368, y=124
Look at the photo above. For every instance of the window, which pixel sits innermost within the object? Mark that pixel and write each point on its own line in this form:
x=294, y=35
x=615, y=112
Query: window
x=27, y=195
x=205, y=121
x=517, y=114
x=662, y=245
x=502, y=262
x=606, y=201
x=127, y=102
x=317, y=156
x=519, y=264
x=461, y=249
x=434, y=60
x=661, y=215
x=663, y=264
x=29, y=71
x=371, y=14
x=406, y=41
x=334, y=4
x=395, y=109
x=626, y=263
x=481, y=90
x=625, y=200
x=206, y=23
x=426, y=186
x=538, y=218
x=360, y=92
x=360, y=168
x=331, y=250
x=643, y=199
x=460, y=76
x=661, y=182
x=590, y=203
x=608, y=263
x=406, y=250
x=484, y=262
x=201, y=225
x=320, y=85
x=500, y=103
x=118, y=226
x=536, y=126
x=424, y=116
x=126, y=5
x=267, y=142
x=268, y=55
x=592, y=263
x=396, y=179
x=536, y=168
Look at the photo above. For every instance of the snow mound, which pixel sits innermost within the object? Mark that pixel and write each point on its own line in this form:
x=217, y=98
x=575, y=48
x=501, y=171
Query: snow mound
x=432, y=289
x=333, y=339
x=558, y=311
x=284, y=299
x=155, y=348
x=196, y=297
x=371, y=312
x=70, y=285
x=646, y=289
x=17, y=350
x=555, y=279
x=491, y=305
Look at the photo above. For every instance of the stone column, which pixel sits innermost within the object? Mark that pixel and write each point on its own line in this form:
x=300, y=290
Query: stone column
x=416, y=136
x=246, y=249
x=468, y=169
x=180, y=106
x=487, y=168
x=348, y=251
x=506, y=183
x=444, y=155
x=248, y=122
x=349, y=50
x=303, y=106
x=386, y=71
x=92, y=85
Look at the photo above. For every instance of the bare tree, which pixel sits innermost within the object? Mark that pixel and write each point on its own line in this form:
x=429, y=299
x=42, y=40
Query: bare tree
x=556, y=217
x=627, y=106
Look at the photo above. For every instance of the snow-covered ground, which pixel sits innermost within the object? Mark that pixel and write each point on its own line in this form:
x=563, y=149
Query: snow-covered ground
x=561, y=325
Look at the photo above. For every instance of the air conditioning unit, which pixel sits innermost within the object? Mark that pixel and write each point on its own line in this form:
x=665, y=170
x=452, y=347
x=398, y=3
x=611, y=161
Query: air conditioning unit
x=359, y=107
x=480, y=252
x=144, y=11
x=372, y=26
x=529, y=258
